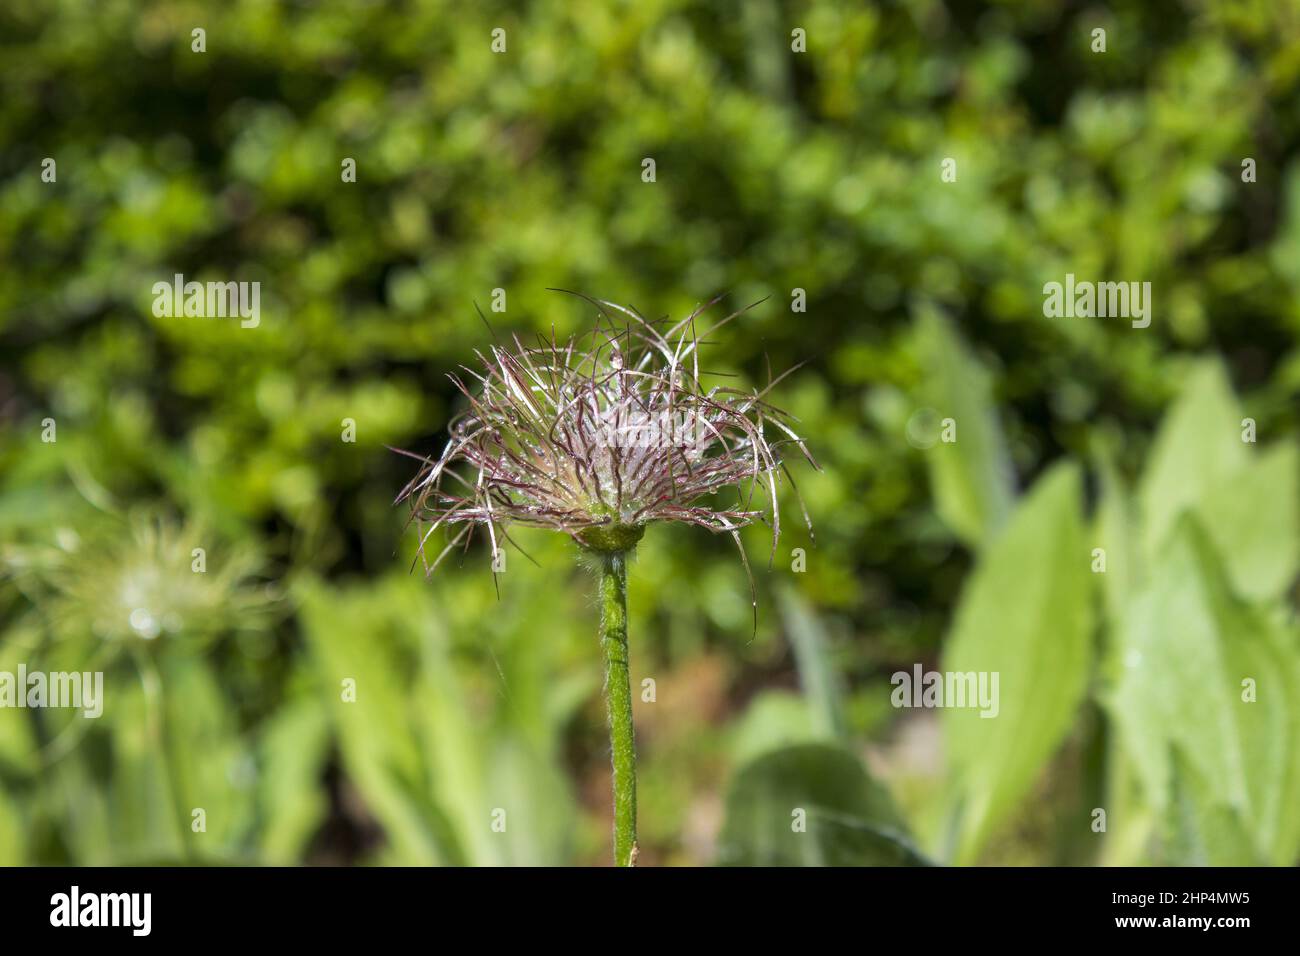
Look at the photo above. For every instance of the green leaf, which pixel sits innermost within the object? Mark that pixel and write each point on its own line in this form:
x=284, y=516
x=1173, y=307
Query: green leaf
x=142, y=805
x=774, y=719
x=1249, y=504
x=1187, y=645
x=479, y=764
x=1116, y=533
x=811, y=653
x=1200, y=831
x=294, y=748
x=1253, y=517
x=381, y=754
x=1026, y=615
x=434, y=755
x=1197, y=447
x=972, y=476
x=812, y=805
x=209, y=762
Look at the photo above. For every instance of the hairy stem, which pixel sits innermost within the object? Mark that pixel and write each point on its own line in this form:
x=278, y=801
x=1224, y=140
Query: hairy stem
x=612, y=571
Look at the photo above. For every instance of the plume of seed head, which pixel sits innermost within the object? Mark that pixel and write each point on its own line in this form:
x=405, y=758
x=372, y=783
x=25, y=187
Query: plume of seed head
x=612, y=429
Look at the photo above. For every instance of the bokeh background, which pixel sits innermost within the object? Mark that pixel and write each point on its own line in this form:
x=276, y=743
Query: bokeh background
x=1122, y=690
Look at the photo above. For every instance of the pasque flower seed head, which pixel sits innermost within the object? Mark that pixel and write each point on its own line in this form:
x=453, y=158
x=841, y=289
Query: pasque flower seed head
x=601, y=435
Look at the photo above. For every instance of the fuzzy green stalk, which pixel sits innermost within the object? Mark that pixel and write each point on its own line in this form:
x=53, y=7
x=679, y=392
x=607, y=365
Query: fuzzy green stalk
x=612, y=571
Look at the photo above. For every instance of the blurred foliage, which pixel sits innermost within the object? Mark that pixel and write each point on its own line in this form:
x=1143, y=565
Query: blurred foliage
x=775, y=171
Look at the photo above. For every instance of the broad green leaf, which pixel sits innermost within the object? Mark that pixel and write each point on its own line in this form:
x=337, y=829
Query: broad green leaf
x=816, y=672
x=480, y=763
x=1199, y=831
x=528, y=785
x=812, y=805
x=972, y=477
x=493, y=709
x=774, y=719
x=147, y=826
x=1269, y=731
x=1248, y=502
x=346, y=632
x=437, y=744
x=1197, y=447
x=1187, y=646
x=1025, y=615
x=1253, y=517
x=296, y=744
x=210, y=765
x=1171, y=686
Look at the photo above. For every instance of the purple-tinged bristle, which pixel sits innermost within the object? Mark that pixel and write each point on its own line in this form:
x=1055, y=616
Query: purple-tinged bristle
x=609, y=429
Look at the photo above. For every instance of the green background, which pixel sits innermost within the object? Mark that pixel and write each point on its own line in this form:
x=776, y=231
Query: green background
x=775, y=170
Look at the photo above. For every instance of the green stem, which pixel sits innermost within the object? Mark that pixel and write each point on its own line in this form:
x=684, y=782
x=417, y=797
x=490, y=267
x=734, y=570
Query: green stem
x=618, y=698
x=162, y=737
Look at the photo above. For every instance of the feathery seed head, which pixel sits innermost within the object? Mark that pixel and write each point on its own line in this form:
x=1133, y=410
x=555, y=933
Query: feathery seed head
x=601, y=435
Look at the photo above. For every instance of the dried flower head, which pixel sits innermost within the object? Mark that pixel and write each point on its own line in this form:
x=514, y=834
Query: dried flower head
x=132, y=578
x=601, y=435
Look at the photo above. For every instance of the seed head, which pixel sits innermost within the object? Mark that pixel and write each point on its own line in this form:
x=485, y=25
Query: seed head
x=132, y=578
x=601, y=435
